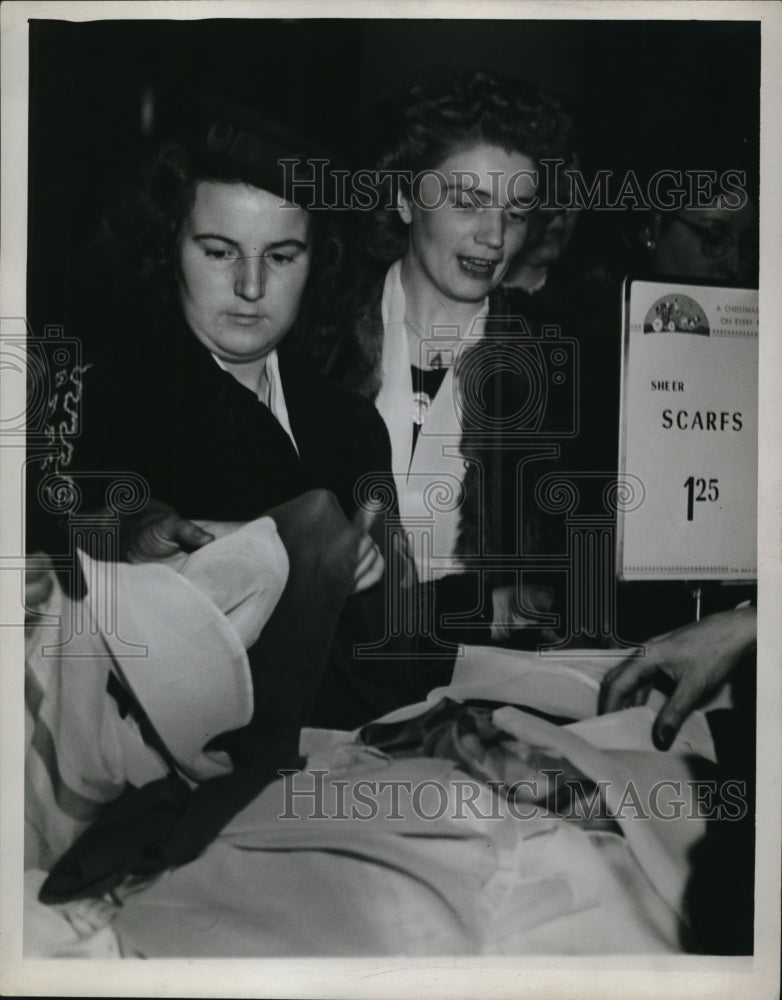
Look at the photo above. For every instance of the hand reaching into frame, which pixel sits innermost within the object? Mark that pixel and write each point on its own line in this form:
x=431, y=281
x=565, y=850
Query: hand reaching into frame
x=697, y=657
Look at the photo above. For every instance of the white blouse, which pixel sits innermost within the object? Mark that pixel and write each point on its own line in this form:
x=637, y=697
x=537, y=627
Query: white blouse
x=428, y=478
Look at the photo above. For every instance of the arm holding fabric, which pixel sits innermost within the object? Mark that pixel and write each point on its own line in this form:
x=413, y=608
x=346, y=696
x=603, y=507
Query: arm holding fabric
x=157, y=532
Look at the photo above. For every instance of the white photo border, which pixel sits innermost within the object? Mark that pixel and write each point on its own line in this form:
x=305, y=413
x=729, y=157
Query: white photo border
x=604, y=977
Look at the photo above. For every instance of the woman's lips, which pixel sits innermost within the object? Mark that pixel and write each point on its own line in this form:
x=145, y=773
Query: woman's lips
x=478, y=267
x=244, y=319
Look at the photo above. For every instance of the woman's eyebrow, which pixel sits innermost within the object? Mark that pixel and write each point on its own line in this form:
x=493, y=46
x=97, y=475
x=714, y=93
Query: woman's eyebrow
x=215, y=236
x=481, y=194
x=291, y=242
x=484, y=197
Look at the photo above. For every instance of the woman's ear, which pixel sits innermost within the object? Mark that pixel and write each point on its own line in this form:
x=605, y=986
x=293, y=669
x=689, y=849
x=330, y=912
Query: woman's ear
x=403, y=207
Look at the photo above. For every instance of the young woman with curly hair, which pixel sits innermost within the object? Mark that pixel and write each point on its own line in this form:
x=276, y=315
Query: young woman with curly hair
x=461, y=168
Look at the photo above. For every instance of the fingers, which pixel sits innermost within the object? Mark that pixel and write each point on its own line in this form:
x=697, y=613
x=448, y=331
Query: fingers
x=641, y=695
x=150, y=543
x=364, y=519
x=191, y=536
x=696, y=684
x=524, y=608
x=38, y=580
x=622, y=683
x=511, y=610
x=364, y=555
x=698, y=657
x=369, y=567
x=672, y=715
x=165, y=537
x=540, y=597
x=501, y=613
x=219, y=529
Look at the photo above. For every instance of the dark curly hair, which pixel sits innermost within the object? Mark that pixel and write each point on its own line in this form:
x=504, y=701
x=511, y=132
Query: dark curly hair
x=453, y=112
x=136, y=247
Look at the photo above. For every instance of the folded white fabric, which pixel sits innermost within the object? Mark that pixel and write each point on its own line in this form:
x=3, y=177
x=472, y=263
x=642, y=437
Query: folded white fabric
x=195, y=683
x=80, y=929
x=567, y=685
x=181, y=656
x=632, y=783
x=243, y=573
x=345, y=861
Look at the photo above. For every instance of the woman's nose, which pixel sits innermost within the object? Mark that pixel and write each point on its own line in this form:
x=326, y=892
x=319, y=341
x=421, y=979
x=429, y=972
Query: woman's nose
x=491, y=229
x=251, y=277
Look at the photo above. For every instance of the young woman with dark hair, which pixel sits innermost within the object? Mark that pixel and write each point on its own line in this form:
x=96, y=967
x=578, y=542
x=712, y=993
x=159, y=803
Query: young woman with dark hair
x=191, y=392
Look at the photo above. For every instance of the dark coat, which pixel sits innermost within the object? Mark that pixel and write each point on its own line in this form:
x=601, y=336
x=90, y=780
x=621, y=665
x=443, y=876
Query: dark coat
x=160, y=408
x=206, y=446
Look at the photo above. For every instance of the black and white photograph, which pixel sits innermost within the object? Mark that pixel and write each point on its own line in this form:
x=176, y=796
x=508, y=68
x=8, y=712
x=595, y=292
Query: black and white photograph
x=392, y=503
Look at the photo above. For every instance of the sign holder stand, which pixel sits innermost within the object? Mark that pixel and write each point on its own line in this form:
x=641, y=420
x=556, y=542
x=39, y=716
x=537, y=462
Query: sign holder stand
x=696, y=590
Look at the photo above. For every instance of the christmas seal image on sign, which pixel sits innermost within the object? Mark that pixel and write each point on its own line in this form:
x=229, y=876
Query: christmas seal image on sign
x=676, y=314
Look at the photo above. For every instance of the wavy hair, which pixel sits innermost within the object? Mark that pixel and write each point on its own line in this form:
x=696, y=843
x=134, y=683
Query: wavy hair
x=456, y=111
x=413, y=134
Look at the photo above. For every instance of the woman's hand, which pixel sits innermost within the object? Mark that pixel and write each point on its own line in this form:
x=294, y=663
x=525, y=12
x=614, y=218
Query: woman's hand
x=38, y=581
x=510, y=612
x=158, y=533
x=698, y=657
x=370, y=565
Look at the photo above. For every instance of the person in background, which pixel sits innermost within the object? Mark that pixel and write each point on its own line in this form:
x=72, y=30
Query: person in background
x=540, y=276
x=530, y=270
x=718, y=242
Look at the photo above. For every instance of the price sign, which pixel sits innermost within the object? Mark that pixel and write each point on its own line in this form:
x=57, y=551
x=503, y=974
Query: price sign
x=689, y=432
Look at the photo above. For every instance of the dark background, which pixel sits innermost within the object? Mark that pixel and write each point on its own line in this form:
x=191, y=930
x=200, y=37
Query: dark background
x=101, y=92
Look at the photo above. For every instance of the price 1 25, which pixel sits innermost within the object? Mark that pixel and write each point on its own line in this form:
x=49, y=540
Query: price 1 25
x=700, y=491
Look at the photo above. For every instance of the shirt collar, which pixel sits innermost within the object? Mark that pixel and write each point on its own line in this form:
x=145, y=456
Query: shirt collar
x=273, y=397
